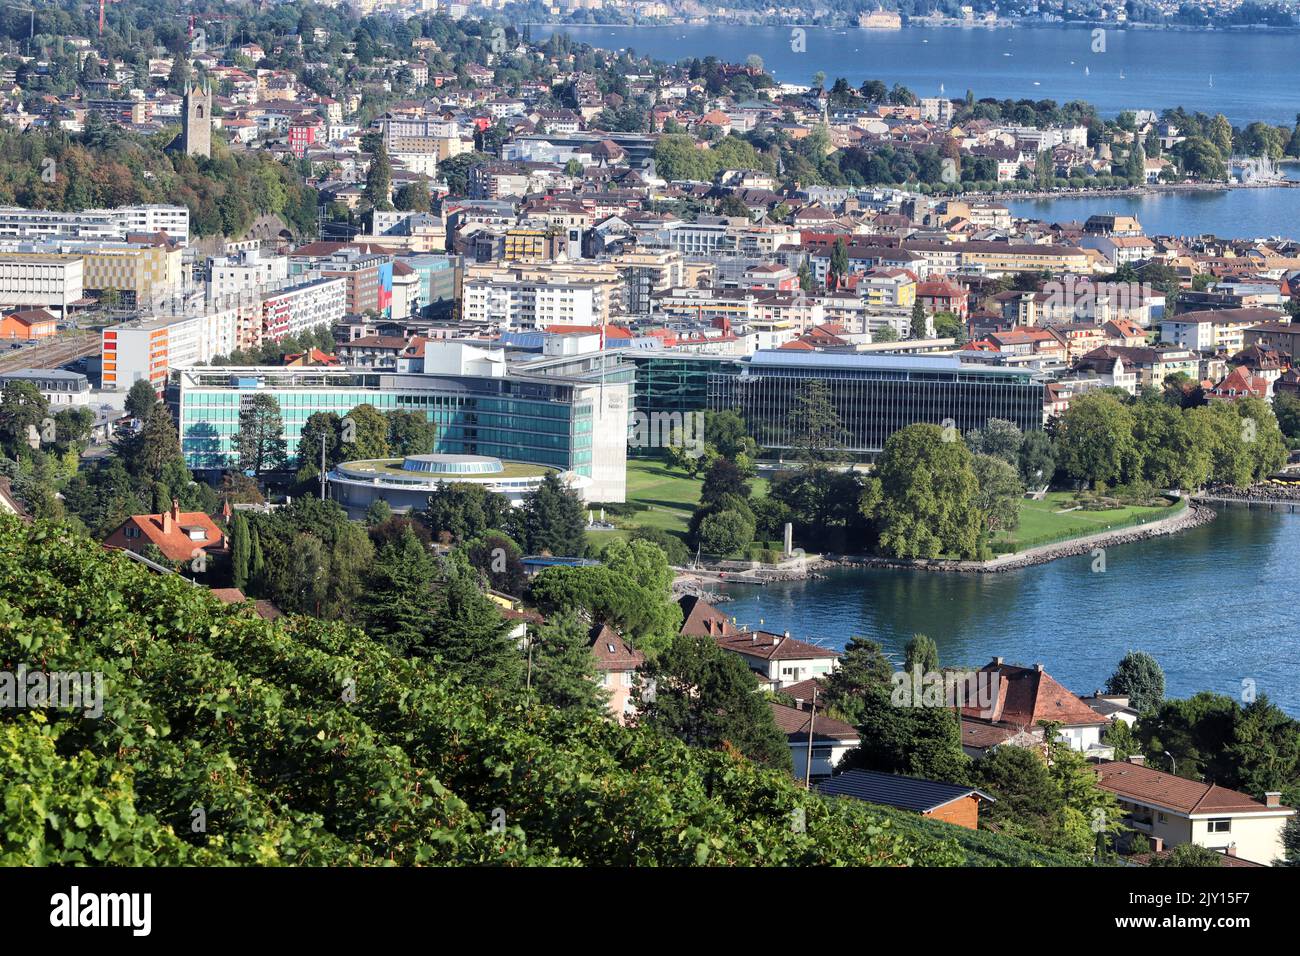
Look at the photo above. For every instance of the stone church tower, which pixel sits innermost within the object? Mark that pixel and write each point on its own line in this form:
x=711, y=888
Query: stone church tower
x=196, y=126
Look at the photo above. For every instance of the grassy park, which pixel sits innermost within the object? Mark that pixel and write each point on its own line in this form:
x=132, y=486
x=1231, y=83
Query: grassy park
x=1051, y=520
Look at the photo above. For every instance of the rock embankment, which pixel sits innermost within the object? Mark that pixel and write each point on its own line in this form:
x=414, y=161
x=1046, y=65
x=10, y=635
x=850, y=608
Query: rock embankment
x=1264, y=491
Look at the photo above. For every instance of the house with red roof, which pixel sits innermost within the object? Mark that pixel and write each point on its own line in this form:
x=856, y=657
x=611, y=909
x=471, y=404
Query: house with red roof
x=1172, y=810
x=779, y=659
x=1018, y=698
x=616, y=666
x=1240, y=383
x=179, y=535
x=830, y=741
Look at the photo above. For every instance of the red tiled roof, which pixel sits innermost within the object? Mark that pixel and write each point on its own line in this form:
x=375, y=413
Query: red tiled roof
x=772, y=647
x=612, y=652
x=700, y=619
x=1026, y=695
x=1148, y=785
x=794, y=724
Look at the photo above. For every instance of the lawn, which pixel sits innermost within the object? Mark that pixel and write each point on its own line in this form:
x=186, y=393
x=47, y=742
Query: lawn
x=669, y=497
x=1041, y=524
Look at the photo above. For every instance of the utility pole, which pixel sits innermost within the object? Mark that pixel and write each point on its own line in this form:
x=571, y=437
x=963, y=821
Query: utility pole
x=807, y=764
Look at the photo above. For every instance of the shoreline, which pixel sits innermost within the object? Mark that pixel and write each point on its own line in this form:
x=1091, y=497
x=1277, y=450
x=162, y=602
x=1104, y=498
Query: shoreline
x=1192, y=516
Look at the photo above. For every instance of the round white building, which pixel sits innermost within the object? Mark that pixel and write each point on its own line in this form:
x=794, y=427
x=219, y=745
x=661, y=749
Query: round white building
x=406, y=483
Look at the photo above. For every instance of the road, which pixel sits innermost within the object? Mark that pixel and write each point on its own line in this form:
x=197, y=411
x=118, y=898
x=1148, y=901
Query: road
x=66, y=348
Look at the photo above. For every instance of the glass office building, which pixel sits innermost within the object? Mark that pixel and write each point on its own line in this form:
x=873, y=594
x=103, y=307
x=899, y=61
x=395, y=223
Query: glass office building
x=569, y=425
x=875, y=395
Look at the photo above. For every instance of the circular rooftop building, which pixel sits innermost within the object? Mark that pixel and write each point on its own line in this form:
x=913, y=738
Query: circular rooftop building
x=406, y=483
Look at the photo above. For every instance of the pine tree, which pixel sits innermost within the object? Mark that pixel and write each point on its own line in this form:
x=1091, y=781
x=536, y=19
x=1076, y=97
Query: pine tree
x=256, y=561
x=563, y=666
x=241, y=545
x=920, y=324
x=396, y=606
x=551, y=520
x=469, y=634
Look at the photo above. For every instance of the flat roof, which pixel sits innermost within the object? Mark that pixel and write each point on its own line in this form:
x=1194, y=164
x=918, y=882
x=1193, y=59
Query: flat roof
x=775, y=358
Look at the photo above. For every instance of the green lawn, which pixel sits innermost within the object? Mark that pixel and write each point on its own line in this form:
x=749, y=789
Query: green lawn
x=1041, y=524
x=669, y=497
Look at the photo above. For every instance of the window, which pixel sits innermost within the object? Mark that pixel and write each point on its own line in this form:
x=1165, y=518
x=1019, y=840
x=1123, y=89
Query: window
x=1220, y=826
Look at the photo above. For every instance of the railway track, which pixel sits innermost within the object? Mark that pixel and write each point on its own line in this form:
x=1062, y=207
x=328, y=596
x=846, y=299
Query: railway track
x=52, y=354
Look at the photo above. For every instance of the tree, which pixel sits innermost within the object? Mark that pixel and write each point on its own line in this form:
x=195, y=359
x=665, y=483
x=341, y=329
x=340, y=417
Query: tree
x=999, y=437
x=411, y=433
x=723, y=478
x=1095, y=440
x=366, y=436
x=413, y=197
x=379, y=179
x=140, y=398
x=1189, y=855
x=999, y=494
x=819, y=434
x=1139, y=678
x=241, y=550
x=468, y=634
x=928, y=495
x=499, y=560
x=22, y=409
x=1029, y=803
x=921, y=652
x=551, y=519
x=863, y=669
x=708, y=697
x=725, y=532
x=149, y=453
x=1037, y=459
x=920, y=321
x=460, y=511
x=396, y=607
x=321, y=427
x=839, y=265
x=259, y=443
x=563, y=670
x=1290, y=840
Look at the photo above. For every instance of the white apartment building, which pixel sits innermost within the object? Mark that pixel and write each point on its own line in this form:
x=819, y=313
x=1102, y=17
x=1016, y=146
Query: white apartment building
x=113, y=224
x=536, y=297
x=46, y=280
x=311, y=305
x=245, y=274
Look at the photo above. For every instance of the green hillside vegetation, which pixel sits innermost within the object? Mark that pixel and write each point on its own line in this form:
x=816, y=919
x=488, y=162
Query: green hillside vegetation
x=303, y=742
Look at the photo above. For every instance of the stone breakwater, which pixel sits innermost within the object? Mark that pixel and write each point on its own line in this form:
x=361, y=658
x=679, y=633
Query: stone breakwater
x=1259, y=492
x=1192, y=516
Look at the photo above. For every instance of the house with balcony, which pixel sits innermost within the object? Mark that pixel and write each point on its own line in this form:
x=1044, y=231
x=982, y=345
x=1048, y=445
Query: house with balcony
x=1173, y=810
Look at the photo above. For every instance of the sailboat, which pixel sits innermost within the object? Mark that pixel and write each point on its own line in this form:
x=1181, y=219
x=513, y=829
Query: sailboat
x=941, y=89
x=1121, y=74
x=1211, y=81
x=1086, y=71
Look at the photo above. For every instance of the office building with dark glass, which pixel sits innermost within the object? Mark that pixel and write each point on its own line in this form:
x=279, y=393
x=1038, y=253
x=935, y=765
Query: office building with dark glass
x=874, y=395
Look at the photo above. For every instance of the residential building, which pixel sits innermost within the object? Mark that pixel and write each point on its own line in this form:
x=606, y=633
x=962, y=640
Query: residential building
x=616, y=669
x=41, y=280
x=815, y=735
x=62, y=389
x=180, y=535
x=1218, y=330
x=1175, y=810
x=779, y=659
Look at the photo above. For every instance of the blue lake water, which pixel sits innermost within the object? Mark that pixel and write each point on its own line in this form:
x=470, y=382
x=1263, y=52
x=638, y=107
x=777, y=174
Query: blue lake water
x=1215, y=606
x=1245, y=76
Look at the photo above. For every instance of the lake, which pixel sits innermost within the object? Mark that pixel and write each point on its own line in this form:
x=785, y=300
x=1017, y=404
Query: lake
x=1231, y=213
x=1214, y=605
x=1245, y=76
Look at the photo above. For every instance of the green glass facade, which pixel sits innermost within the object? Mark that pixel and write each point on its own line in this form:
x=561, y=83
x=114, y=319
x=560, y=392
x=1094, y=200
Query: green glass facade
x=546, y=423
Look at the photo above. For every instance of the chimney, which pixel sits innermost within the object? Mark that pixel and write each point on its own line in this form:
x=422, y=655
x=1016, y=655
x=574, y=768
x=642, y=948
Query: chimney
x=1231, y=850
x=997, y=662
x=1038, y=667
x=1273, y=798
x=1137, y=760
x=176, y=511
x=167, y=522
